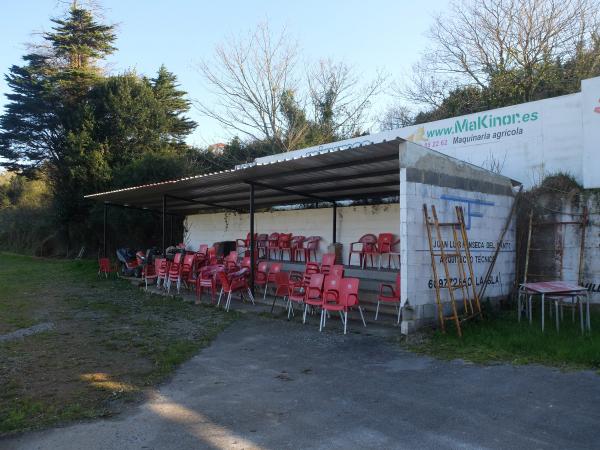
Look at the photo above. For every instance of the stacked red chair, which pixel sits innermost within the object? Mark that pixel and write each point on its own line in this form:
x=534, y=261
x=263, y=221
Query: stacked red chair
x=274, y=269
x=150, y=271
x=273, y=246
x=231, y=283
x=327, y=262
x=285, y=245
x=174, y=273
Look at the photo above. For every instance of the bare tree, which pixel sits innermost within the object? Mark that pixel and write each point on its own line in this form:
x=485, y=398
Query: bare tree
x=340, y=98
x=481, y=39
x=248, y=78
x=259, y=92
x=395, y=116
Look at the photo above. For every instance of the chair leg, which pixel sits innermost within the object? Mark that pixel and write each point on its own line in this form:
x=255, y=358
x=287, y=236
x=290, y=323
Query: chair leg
x=265, y=293
x=251, y=296
x=220, y=295
x=362, y=316
x=399, y=314
x=228, y=301
x=345, y=321
x=321, y=322
x=377, y=310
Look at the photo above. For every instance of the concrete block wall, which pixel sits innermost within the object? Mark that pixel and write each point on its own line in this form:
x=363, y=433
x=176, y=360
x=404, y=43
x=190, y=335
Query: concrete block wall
x=485, y=215
x=352, y=223
x=560, y=258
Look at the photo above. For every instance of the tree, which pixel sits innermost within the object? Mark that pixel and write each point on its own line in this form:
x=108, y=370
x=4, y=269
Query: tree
x=175, y=104
x=395, y=116
x=507, y=52
x=340, y=99
x=248, y=78
x=48, y=121
x=260, y=94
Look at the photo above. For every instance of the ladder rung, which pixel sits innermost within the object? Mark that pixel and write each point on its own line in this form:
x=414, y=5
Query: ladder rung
x=445, y=224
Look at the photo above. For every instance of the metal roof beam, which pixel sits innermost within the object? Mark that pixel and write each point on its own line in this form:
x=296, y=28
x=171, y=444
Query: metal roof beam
x=139, y=208
x=189, y=200
x=290, y=191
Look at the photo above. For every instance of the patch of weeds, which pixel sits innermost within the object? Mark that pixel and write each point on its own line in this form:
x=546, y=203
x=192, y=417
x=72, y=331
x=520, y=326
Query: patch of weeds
x=501, y=338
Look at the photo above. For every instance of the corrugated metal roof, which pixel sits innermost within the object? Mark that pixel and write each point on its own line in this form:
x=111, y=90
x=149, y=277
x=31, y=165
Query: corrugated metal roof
x=368, y=171
x=332, y=175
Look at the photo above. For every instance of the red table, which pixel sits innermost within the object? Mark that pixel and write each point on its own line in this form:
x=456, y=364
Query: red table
x=555, y=289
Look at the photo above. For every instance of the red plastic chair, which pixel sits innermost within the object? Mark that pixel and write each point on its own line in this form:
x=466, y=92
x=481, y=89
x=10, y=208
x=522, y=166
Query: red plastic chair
x=161, y=271
x=207, y=279
x=313, y=294
x=261, y=246
x=331, y=288
x=297, y=244
x=231, y=266
x=337, y=271
x=187, y=269
x=366, y=246
x=140, y=257
x=261, y=274
x=390, y=294
x=234, y=282
x=105, y=267
x=282, y=287
x=150, y=271
x=212, y=256
x=385, y=247
x=285, y=245
x=348, y=299
x=241, y=245
x=174, y=273
x=327, y=261
x=303, y=278
x=311, y=245
x=246, y=262
x=273, y=245
x=271, y=275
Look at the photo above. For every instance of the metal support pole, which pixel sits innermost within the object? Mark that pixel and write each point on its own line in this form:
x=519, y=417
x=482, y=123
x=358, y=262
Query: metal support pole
x=104, y=231
x=334, y=240
x=252, y=243
x=164, y=225
x=171, y=232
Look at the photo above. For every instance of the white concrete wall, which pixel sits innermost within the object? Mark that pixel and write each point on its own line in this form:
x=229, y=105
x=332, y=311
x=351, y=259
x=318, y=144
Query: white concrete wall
x=483, y=234
x=352, y=223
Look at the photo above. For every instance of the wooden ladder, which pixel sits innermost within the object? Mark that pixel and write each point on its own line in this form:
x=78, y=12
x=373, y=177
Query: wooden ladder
x=464, y=284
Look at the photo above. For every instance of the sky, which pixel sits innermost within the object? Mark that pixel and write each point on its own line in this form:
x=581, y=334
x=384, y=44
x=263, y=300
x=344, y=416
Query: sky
x=369, y=35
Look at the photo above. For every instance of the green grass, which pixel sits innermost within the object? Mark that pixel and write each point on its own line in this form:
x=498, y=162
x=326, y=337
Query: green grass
x=501, y=338
x=111, y=341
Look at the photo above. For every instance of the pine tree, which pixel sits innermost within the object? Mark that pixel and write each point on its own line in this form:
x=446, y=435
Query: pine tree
x=173, y=101
x=48, y=121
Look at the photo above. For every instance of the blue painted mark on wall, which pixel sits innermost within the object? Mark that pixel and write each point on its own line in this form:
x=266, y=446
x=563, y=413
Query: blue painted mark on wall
x=469, y=202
